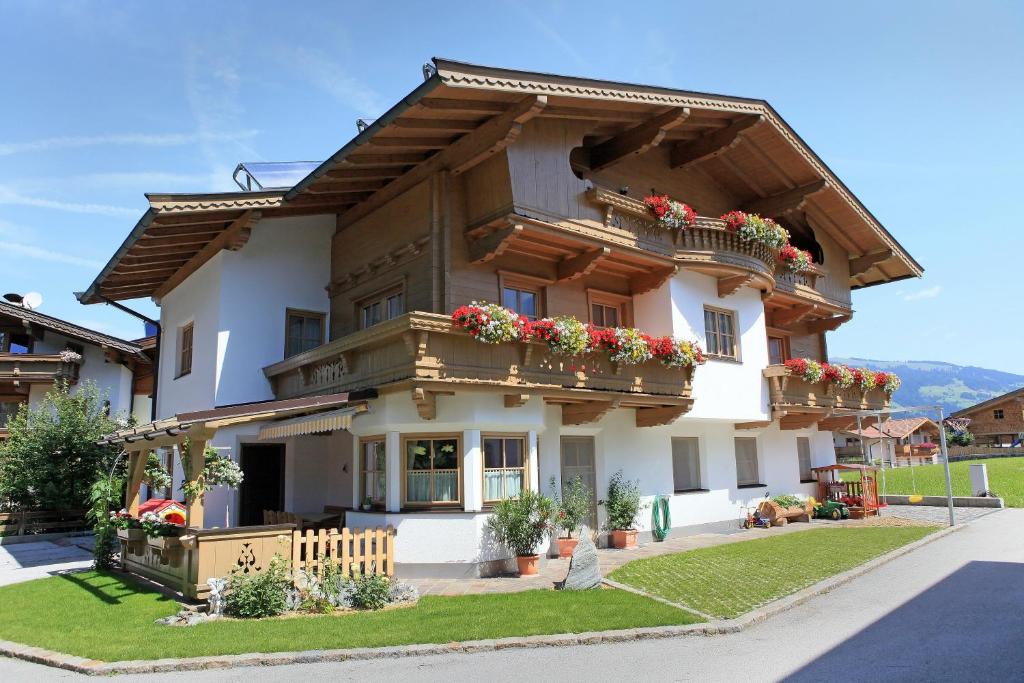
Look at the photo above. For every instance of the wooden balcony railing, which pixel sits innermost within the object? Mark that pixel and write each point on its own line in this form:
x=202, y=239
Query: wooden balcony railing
x=426, y=352
x=28, y=368
x=788, y=392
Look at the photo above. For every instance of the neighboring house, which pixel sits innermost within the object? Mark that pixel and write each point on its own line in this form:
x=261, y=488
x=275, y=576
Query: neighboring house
x=37, y=350
x=998, y=421
x=307, y=331
x=908, y=441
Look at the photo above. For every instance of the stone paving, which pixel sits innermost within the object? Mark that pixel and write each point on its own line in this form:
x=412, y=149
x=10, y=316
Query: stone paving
x=927, y=514
x=36, y=559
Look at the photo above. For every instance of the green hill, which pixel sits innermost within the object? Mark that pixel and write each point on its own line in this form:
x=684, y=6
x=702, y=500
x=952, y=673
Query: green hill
x=932, y=382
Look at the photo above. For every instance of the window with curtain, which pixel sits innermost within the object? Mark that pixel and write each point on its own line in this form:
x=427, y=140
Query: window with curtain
x=304, y=331
x=803, y=454
x=720, y=330
x=384, y=306
x=433, y=469
x=504, y=467
x=746, y=461
x=374, y=470
x=686, y=464
x=185, y=349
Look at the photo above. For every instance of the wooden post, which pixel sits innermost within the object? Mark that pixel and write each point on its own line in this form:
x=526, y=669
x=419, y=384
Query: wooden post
x=136, y=468
x=197, y=461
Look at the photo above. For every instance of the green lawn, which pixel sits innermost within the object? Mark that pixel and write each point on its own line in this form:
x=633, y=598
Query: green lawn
x=102, y=616
x=1005, y=478
x=729, y=580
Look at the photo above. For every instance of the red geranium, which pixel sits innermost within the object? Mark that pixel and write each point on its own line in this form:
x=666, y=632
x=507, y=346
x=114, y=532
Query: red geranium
x=734, y=220
x=543, y=330
x=831, y=373
x=797, y=366
x=657, y=204
x=880, y=379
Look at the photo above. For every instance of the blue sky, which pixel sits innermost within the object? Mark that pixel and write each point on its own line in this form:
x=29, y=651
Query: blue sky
x=915, y=105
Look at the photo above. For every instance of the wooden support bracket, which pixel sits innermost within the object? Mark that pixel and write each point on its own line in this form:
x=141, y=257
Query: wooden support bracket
x=861, y=264
x=730, y=284
x=784, y=202
x=585, y=413
x=713, y=144
x=576, y=267
x=660, y=415
x=491, y=246
x=516, y=400
x=636, y=140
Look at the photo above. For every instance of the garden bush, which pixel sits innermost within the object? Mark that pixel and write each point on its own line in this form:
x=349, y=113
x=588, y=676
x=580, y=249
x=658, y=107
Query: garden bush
x=623, y=502
x=262, y=594
x=372, y=591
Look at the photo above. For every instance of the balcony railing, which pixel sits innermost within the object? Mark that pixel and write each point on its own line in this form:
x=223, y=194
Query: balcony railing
x=789, y=392
x=27, y=368
x=424, y=349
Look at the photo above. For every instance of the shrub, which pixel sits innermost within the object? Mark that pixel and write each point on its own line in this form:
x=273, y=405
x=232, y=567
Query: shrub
x=623, y=502
x=105, y=494
x=788, y=501
x=572, y=508
x=263, y=594
x=372, y=591
x=522, y=523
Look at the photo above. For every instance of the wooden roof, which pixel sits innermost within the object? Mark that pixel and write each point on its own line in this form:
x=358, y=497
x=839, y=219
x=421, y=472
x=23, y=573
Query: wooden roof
x=1015, y=395
x=27, y=317
x=463, y=113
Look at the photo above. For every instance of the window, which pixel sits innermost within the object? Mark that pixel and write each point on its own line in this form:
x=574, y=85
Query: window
x=720, y=329
x=603, y=315
x=609, y=310
x=777, y=354
x=380, y=307
x=432, y=471
x=803, y=454
x=374, y=471
x=184, y=349
x=746, y=462
x=686, y=464
x=522, y=301
x=77, y=348
x=8, y=409
x=504, y=467
x=12, y=342
x=998, y=413
x=304, y=330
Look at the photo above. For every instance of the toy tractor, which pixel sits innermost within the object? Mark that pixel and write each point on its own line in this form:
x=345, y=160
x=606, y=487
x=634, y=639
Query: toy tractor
x=832, y=509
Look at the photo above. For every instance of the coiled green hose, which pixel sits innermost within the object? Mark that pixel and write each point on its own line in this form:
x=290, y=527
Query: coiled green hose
x=661, y=518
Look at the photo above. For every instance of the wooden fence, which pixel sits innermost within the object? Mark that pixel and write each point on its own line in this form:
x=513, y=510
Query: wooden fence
x=41, y=522
x=356, y=551
x=985, y=451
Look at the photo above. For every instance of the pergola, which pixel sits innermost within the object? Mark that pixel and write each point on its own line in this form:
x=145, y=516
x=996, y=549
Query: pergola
x=860, y=415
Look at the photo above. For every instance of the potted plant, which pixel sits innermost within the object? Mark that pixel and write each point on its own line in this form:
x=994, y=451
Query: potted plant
x=570, y=511
x=367, y=503
x=623, y=506
x=161, y=533
x=521, y=524
x=128, y=528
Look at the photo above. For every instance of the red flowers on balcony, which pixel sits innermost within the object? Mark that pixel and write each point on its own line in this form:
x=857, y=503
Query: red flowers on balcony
x=842, y=376
x=797, y=260
x=671, y=213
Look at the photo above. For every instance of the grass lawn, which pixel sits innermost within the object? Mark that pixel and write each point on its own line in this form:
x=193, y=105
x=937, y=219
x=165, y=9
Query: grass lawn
x=729, y=580
x=102, y=616
x=1005, y=478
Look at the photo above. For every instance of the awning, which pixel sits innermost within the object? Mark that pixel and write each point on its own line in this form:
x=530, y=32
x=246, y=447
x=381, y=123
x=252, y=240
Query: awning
x=312, y=424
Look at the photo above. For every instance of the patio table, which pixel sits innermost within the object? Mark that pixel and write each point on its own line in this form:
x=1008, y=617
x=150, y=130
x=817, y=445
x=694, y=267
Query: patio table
x=314, y=519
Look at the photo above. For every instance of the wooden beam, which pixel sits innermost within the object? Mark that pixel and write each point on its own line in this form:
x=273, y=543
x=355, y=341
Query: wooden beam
x=350, y=173
x=828, y=324
x=782, y=318
x=799, y=420
x=136, y=469
x=576, y=267
x=713, y=144
x=729, y=284
x=188, y=250
x=383, y=160
x=790, y=200
x=636, y=140
x=475, y=106
x=639, y=284
x=489, y=247
x=462, y=155
x=342, y=187
x=444, y=125
x=588, y=114
x=516, y=400
x=411, y=143
x=837, y=423
x=757, y=424
x=205, y=229
x=661, y=415
x=426, y=403
x=145, y=243
x=197, y=461
x=209, y=218
x=585, y=413
x=232, y=238
x=861, y=264
x=135, y=278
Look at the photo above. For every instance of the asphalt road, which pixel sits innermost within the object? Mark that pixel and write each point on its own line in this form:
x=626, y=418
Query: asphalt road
x=953, y=610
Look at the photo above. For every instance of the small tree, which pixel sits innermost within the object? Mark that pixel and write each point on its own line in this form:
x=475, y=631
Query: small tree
x=521, y=523
x=962, y=438
x=623, y=502
x=573, y=506
x=51, y=459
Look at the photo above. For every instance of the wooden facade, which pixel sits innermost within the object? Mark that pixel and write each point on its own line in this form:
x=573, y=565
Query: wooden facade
x=997, y=421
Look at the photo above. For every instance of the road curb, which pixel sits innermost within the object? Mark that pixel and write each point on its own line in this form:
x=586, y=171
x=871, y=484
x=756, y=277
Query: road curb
x=717, y=627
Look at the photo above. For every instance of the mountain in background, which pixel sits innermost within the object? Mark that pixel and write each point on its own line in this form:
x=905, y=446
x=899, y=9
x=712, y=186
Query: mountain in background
x=932, y=382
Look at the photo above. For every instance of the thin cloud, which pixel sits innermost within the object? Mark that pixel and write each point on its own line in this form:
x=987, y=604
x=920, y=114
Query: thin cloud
x=929, y=293
x=332, y=78
x=8, y=196
x=123, y=139
x=550, y=33
x=39, y=254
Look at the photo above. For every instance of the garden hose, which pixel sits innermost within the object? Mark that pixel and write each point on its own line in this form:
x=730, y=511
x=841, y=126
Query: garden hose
x=661, y=518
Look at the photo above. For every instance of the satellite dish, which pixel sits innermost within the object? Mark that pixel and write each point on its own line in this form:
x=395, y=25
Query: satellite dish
x=32, y=300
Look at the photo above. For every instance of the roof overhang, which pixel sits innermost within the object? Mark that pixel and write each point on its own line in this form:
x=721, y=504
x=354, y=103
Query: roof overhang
x=463, y=113
x=30, y=318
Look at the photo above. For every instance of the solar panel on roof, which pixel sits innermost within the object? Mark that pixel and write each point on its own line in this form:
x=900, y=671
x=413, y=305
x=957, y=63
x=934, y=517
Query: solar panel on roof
x=253, y=176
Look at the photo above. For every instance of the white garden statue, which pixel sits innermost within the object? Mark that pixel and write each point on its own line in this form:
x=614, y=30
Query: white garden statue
x=216, y=599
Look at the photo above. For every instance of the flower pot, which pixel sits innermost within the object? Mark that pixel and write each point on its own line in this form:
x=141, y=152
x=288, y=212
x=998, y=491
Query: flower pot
x=623, y=538
x=527, y=564
x=131, y=535
x=566, y=546
x=165, y=542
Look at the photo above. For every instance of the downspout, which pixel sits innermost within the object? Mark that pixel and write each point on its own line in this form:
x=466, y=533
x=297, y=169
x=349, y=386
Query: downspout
x=156, y=349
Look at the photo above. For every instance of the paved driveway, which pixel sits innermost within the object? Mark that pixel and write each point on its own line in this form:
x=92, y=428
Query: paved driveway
x=25, y=561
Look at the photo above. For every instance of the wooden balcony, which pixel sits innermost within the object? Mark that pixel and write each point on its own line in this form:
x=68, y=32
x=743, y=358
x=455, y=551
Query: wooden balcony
x=798, y=403
x=422, y=352
x=22, y=369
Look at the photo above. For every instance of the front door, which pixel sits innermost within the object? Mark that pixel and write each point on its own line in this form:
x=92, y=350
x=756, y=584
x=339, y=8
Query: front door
x=263, y=485
x=578, y=460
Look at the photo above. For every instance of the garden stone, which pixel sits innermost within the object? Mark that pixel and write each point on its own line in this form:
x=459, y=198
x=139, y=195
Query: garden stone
x=584, y=569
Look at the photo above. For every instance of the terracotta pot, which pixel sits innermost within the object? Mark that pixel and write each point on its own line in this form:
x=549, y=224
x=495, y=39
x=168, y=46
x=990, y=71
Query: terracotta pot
x=623, y=538
x=527, y=564
x=566, y=546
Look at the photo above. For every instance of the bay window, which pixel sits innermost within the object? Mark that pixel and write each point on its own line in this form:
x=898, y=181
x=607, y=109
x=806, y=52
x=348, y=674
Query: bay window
x=433, y=471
